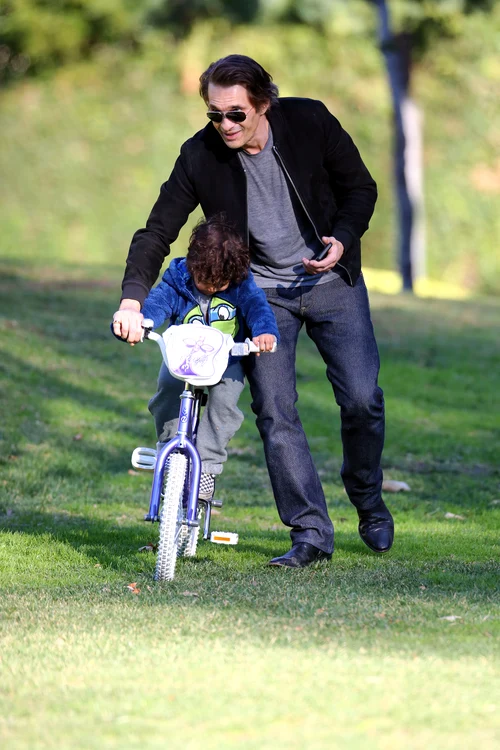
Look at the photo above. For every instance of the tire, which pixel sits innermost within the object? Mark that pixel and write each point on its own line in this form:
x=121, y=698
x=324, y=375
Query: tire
x=189, y=538
x=171, y=518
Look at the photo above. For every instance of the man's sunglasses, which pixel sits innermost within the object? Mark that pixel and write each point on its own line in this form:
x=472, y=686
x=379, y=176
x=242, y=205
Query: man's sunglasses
x=234, y=115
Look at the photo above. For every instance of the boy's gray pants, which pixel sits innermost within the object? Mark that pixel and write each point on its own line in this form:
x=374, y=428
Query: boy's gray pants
x=220, y=419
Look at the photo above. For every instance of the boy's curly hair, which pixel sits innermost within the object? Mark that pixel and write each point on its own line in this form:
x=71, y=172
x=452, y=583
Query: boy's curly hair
x=217, y=254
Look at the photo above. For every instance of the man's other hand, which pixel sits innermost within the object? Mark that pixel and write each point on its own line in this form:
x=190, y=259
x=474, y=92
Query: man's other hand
x=334, y=254
x=127, y=321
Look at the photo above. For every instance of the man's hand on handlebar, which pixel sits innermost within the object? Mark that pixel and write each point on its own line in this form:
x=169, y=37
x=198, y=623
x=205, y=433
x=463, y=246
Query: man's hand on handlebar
x=127, y=321
x=265, y=342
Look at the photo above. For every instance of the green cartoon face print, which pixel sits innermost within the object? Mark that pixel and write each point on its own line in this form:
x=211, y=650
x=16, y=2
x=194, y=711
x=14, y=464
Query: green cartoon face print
x=195, y=316
x=221, y=315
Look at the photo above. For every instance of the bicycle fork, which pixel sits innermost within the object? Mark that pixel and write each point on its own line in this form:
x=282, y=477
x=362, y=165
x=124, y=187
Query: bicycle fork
x=181, y=441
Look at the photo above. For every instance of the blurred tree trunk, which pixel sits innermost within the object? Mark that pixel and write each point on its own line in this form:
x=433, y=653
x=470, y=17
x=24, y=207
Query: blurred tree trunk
x=408, y=171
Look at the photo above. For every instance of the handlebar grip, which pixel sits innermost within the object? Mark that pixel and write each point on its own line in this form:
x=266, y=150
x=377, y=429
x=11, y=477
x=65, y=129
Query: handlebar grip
x=148, y=326
x=252, y=348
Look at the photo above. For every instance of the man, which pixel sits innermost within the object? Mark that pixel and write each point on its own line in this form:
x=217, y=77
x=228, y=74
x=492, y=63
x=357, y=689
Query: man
x=293, y=183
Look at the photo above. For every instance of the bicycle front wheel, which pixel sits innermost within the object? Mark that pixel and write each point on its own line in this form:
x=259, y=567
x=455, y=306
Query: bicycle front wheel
x=188, y=541
x=171, y=518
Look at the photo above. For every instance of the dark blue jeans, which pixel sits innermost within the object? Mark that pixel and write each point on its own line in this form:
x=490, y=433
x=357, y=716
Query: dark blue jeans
x=337, y=319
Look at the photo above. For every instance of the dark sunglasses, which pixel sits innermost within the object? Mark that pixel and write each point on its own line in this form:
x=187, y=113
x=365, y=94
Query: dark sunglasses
x=235, y=115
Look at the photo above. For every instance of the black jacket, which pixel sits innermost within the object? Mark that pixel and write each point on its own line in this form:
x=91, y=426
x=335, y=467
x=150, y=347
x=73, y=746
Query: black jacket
x=318, y=156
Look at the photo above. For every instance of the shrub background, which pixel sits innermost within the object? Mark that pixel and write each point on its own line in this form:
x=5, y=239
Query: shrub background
x=97, y=99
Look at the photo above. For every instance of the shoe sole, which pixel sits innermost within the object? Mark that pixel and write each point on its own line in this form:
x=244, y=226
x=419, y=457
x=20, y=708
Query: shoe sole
x=284, y=565
x=374, y=549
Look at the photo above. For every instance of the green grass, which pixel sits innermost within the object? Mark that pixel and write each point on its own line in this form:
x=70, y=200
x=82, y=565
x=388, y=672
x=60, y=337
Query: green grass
x=233, y=654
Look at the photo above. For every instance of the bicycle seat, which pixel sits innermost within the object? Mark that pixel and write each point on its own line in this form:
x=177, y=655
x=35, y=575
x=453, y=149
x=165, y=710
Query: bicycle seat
x=197, y=353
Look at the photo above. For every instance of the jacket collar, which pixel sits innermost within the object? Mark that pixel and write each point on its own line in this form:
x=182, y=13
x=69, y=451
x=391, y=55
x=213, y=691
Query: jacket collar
x=278, y=124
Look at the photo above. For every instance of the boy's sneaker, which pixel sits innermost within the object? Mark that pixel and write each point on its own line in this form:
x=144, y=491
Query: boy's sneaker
x=207, y=486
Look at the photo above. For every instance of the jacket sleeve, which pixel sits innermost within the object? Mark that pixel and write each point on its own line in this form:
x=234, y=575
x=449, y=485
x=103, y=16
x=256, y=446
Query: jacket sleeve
x=160, y=304
x=255, y=309
x=151, y=245
x=354, y=188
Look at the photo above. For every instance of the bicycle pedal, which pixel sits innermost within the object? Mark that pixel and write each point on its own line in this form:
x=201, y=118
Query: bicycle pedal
x=224, y=537
x=216, y=503
x=144, y=459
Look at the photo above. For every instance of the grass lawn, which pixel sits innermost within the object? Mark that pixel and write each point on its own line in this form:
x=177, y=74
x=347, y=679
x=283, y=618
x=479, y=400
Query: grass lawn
x=396, y=651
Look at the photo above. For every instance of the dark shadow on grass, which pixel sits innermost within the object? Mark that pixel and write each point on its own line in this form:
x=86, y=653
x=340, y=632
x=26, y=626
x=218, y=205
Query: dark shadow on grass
x=102, y=541
x=50, y=386
x=110, y=543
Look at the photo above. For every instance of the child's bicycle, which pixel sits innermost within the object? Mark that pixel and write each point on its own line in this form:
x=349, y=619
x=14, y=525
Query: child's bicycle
x=198, y=355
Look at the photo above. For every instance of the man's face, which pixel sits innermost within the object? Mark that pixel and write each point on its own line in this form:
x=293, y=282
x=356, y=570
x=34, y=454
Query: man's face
x=252, y=132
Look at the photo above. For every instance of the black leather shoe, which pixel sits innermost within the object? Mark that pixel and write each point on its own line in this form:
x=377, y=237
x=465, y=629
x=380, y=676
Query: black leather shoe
x=376, y=528
x=301, y=555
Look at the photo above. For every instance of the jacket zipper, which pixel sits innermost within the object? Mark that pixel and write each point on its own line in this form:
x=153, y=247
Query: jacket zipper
x=285, y=170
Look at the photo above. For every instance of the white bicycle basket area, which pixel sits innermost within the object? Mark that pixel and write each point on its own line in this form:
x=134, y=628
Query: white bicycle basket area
x=197, y=353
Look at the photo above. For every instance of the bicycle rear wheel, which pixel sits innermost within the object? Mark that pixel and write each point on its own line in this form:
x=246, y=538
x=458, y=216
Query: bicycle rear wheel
x=171, y=517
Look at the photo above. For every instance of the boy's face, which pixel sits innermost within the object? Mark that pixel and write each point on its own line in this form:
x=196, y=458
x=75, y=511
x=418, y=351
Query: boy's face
x=207, y=287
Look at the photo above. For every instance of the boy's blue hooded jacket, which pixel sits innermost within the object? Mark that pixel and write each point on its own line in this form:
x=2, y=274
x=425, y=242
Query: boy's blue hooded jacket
x=240, y=310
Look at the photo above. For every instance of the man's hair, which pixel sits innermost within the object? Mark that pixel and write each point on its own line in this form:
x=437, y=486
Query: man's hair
x=239, y=70
x=217, y=254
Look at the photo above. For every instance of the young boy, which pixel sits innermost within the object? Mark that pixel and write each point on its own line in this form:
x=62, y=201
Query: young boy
x=212, y=286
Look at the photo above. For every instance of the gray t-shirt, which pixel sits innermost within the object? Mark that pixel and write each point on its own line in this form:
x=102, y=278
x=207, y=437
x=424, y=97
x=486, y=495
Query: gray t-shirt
x=280, y=232
x=203, y=300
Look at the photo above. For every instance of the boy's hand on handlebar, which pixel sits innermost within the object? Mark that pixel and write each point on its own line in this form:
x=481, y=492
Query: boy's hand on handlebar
x=127, y=321
x=265, y=342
